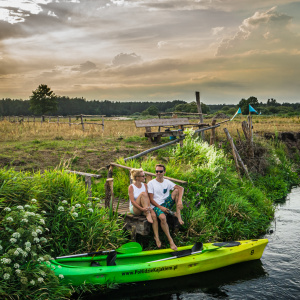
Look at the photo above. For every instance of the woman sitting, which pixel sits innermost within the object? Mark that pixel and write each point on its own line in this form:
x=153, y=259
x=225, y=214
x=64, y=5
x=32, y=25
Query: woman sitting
x=139, y=202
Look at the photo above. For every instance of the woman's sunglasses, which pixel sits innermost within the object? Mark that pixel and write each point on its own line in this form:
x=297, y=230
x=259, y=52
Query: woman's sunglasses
x=159, y=171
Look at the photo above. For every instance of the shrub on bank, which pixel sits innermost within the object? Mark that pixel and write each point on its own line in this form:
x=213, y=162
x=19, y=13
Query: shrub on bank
x=60, y=220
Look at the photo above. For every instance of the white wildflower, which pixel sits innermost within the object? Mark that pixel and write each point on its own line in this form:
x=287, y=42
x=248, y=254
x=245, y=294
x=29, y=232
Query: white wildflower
x=16, y=235
x=25, y=254
x=13, y=240
x=7, y=209
x=34, y=233
x=18, y=271
x=27, y=206
x=42, y=221
x=39, y=231
x=43, y=273
x=47, y=229
x=16, y=266
x=42, y=239
x=40, y=259
x=27, y=249
x=40, y=279
x=20, y=207
x=16, y=253
x=89, y=204
x=1, y=247
x=77, y=205
x=10, y=219
x=28, y=244
x=33, y=200
x=44, y=212
x=6, y=276
x=75, y=214
x=24, y=220
x=6, y=260
x=36, y=239
x=32, y=282
x=90, y=209
x=61, y=276
x=64, y=202
x=60, y=208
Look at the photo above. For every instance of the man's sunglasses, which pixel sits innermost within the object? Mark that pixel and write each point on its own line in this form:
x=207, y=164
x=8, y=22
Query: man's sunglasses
x=159, y=171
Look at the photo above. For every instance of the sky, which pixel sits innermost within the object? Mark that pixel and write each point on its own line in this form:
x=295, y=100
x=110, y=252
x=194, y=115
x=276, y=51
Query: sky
x=151, y=50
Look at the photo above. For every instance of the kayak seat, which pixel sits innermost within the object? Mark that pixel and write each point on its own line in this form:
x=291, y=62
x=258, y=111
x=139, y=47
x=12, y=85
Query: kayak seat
x=196, y=248
x=227, y=244
x=111, y=259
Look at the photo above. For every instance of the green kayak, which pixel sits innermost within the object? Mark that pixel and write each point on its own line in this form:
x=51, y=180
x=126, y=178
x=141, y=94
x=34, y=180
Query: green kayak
x=155, y=264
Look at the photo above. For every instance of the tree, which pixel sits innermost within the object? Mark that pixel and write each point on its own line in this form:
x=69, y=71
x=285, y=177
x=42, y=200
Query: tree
x=43, y=100
x=244, y=104
x=152, y=110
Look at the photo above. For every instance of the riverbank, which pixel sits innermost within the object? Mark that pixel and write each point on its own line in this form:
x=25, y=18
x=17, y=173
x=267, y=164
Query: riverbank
x=63, y=220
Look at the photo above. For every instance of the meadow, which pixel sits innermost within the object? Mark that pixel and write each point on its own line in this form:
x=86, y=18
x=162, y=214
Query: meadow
x=45, y=212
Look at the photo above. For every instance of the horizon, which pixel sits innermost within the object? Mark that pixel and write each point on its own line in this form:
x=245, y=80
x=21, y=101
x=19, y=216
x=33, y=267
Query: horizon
x=144, y=50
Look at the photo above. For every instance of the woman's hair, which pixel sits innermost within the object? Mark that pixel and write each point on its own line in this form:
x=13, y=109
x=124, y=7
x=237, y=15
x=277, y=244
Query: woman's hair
x=135, y=173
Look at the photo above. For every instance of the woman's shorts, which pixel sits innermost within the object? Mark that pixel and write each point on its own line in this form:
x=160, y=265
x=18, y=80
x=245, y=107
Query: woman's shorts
x=169, y=203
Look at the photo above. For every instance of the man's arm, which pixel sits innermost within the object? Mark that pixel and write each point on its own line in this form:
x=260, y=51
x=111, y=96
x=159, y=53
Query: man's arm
x=153, y=202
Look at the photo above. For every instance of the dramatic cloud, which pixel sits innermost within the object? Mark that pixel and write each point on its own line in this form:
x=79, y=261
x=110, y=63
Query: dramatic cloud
x=264, y=31
x=151, y=49
x=126, y=59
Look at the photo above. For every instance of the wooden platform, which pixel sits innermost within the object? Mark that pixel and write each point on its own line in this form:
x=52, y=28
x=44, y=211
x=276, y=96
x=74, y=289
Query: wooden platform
x=137, y=224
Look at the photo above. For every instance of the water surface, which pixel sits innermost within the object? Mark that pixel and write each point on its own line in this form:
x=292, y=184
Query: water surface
x=275, y=276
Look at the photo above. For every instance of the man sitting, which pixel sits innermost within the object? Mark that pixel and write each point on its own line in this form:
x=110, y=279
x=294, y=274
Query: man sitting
x=162, y=201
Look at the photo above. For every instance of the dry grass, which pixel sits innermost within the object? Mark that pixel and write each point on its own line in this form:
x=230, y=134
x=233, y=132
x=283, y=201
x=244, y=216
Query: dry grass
x=27, y=131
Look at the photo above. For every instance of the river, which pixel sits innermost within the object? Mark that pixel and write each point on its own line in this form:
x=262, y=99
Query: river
x=275, y=276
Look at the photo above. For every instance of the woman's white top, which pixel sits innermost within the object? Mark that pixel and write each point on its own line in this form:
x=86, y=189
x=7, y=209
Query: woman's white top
x=137, y=191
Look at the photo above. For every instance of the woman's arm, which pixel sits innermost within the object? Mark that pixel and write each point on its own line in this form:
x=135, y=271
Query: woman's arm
x=131, y=197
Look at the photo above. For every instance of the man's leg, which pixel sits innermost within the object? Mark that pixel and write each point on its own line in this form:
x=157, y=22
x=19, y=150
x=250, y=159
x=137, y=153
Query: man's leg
x=179, y=206
x=165, y=227
x=155, y=229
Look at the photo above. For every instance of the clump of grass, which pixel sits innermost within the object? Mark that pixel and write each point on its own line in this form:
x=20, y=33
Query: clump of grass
x=64, y=220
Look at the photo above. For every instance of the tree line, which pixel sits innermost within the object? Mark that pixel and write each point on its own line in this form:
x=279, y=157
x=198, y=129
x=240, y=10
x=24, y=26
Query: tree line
x=43, y=101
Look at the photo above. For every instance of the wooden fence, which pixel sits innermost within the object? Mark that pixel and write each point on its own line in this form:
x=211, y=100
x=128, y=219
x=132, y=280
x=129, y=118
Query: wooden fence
x=71, y=120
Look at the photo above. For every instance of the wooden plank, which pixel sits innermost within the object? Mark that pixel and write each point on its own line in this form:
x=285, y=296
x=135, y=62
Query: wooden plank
x=148, y=173
x=84, y=174
x=161, y=122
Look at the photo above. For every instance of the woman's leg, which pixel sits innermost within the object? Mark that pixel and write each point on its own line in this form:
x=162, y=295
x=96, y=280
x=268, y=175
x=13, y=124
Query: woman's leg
x=143, y=201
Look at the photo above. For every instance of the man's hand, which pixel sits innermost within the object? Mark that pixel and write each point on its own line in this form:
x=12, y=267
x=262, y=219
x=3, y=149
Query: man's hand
x=163, y=209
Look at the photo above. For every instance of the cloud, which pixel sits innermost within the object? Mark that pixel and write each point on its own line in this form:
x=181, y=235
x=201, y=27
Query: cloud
x=126, y=59
x=264, y=31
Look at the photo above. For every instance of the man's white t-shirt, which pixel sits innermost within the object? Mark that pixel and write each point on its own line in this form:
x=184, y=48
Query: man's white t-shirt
x=160, y=190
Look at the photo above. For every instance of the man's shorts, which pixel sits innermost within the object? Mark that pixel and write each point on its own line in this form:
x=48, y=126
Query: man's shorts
x=169, y=203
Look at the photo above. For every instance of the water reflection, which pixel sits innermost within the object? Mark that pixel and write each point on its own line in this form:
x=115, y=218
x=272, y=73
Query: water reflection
x=275, y=276
x=209, y=283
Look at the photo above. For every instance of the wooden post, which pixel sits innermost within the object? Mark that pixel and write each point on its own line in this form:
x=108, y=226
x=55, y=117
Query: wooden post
x=148, y=178
x=102, y=124
x=110, y=171
x=81, y=117
x=199, y=111
x=238, y=156
x=229, y=138
x=57, y=120
x=213, y=132
x=109, y=191
x=88, y=184
x=69, y=120
x=42, y=119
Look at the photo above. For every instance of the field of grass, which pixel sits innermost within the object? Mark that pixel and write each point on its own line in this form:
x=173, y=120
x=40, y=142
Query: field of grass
x=36, y=146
